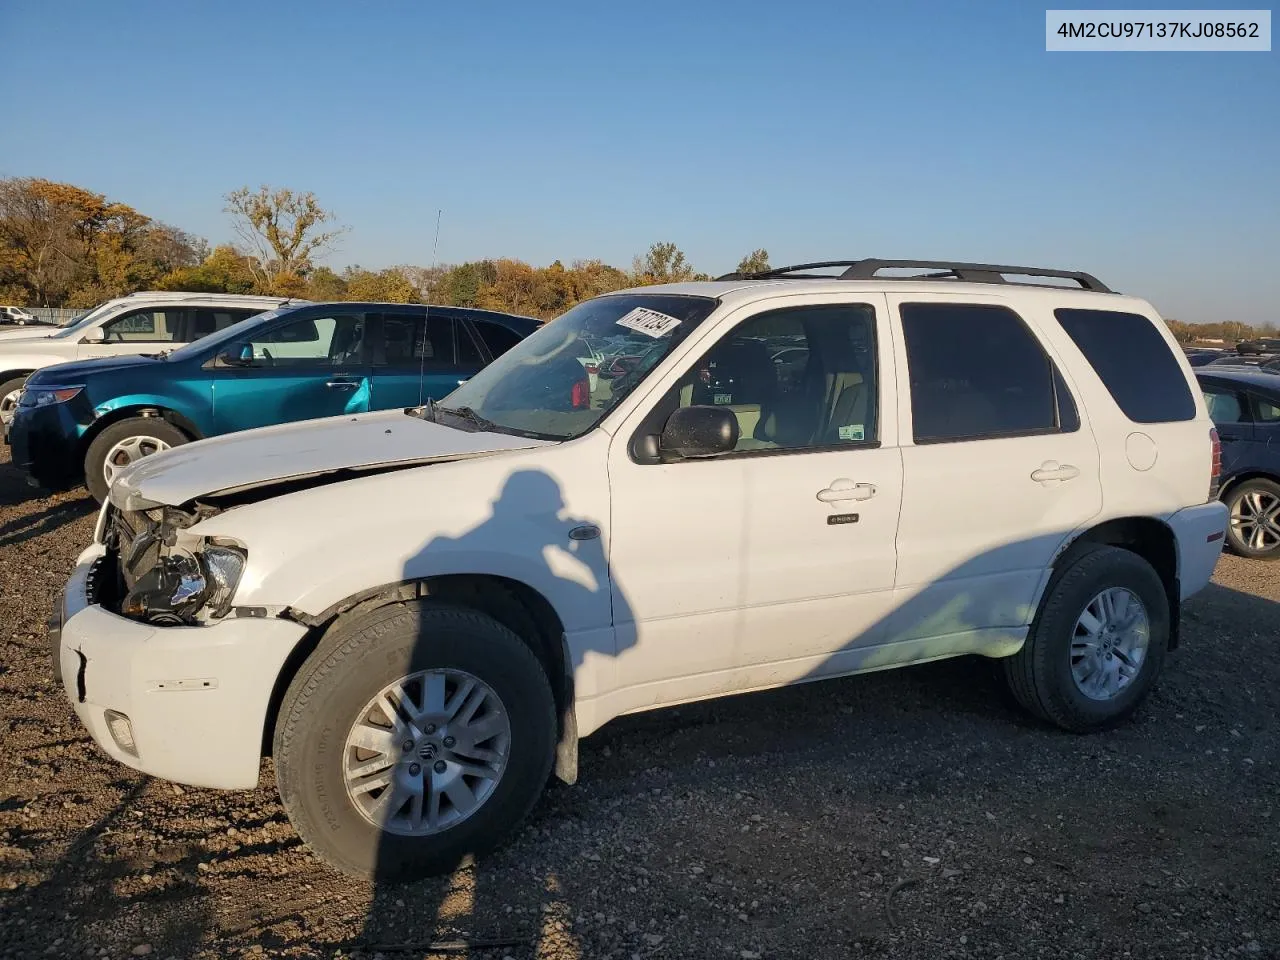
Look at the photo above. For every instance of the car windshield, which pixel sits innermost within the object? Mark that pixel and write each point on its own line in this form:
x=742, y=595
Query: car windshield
x=560, y=382
x=74, y=325
x=214, y=341
x=66, y=324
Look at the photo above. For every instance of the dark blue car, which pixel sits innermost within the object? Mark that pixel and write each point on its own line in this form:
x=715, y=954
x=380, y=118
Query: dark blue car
x=86, y=421
x=1245, y=407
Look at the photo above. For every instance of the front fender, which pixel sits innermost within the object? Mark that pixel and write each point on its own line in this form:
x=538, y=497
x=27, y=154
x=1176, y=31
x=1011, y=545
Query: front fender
x=193, y=411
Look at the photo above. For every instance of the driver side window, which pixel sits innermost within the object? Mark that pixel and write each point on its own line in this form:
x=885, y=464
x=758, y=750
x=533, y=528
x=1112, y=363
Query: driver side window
x=800, y=378
x=325, y=341
x=144, y=326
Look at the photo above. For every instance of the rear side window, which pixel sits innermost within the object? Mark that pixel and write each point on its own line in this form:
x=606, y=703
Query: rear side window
x=1133, y=361
x=977, y=372
x=496, y=337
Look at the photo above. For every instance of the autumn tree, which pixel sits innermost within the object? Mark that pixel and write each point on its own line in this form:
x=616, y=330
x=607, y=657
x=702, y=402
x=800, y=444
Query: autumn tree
x=757, y=261
x=282, y=233
x=384, y=286
x=224, y=270
x=662, y=263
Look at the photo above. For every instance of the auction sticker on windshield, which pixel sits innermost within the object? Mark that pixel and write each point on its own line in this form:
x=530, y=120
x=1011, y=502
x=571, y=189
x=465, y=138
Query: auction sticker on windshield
x=649, y=322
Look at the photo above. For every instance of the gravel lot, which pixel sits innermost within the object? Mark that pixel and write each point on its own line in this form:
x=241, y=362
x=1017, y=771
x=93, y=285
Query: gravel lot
x=906, y=814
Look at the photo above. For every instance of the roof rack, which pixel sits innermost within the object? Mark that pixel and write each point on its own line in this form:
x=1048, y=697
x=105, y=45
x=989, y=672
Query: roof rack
x=944, y=270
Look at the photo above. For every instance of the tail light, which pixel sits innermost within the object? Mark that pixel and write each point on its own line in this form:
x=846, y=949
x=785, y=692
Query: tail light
x=1215, y=470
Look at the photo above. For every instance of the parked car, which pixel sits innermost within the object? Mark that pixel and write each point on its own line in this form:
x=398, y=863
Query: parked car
x=1259, y=347
x=1245, y=406
x=86, y=422
x=422, y=610
x=139, y=323
x=17, y=316
x=1199, y=358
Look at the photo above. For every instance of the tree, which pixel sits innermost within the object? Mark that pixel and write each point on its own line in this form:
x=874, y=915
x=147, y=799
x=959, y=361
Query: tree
x=757, y=261
x=282, y=233
x=662, y=263
x=384, y=286
x=224, y=270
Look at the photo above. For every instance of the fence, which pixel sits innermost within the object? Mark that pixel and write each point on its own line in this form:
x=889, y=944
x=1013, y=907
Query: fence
x=56, y=314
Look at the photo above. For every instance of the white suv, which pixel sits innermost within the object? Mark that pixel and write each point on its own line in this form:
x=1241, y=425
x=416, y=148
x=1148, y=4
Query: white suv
x=144, y=322
x=667, y=494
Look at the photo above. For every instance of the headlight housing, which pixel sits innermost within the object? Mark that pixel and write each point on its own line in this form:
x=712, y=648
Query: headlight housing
x=186, y=586
x=44, y=396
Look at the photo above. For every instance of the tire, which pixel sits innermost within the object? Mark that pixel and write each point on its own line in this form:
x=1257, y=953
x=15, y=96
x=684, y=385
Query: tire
x=1243, y=502
x=345, y=674
x=1040, y=675
x=9, y=387
x=139, y=428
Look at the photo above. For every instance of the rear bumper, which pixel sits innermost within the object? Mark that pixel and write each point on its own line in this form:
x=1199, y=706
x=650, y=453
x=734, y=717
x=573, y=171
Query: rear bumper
x=196, y=698
x=1200, y=532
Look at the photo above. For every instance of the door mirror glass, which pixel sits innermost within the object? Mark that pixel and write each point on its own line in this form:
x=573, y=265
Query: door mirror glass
x=700, y=431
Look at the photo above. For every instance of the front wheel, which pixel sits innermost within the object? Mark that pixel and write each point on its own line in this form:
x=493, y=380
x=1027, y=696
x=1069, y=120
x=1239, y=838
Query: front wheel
x=124, y=444
x=1254, y=526
x=415, y=735
x=10, y=391
x=1097, y=644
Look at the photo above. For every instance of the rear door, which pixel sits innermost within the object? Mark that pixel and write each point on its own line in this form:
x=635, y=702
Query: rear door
x=302, y=367
x=998, y=471
x=1229, y=408
x=409, y=367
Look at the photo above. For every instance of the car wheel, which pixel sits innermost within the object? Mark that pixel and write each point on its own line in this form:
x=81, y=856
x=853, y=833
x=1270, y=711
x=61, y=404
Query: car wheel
x=10, y=391
x=1253, y=528
x=124, y=444
x=1097, y=643
x=413, y=736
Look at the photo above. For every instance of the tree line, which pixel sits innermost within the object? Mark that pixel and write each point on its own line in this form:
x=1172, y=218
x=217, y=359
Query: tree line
x=65, y=246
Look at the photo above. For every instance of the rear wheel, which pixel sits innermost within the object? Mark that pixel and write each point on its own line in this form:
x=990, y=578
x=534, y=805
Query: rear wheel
x=10, y=391
x=1097, y=644
x=1254, y=526
x=415, y=735
x=124, y=444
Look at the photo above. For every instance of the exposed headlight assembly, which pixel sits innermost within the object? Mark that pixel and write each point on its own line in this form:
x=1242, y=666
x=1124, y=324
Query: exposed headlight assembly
x=184, y=585
x=46, y=396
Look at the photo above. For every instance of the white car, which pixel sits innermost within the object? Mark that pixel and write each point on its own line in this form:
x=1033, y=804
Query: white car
x=146, y=322
x=17, y=316
x=420, y=612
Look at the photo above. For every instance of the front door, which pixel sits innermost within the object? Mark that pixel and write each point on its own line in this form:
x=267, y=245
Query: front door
x=998, y=473
x=774, y=562
x=312, y=366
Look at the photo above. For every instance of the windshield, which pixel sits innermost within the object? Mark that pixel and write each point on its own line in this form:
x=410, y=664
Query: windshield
x=561, y=381
x=231, y=334
x=72, y=326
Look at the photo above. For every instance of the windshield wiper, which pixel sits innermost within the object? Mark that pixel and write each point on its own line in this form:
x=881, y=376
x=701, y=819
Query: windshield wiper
x=466, y=413
x=425, y=412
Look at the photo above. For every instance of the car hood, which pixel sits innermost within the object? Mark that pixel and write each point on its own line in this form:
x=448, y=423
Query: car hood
x=299, y=454
x=26, y=333
x=78, y=369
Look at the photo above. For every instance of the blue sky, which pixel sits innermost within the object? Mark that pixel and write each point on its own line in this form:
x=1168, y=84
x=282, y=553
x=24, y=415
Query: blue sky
x=572, y=130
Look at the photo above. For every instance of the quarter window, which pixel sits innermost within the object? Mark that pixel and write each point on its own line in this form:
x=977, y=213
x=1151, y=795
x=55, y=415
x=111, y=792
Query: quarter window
x=794, y=379
x=978, y=372
x=1134, y=362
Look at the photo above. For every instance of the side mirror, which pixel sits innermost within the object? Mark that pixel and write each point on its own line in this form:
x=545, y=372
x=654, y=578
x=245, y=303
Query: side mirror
x=94, y=336
x=699, y=432
x=240, y=355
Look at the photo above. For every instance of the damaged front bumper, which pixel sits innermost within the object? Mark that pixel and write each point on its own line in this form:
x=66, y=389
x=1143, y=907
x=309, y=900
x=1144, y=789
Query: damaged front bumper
x=187, y=704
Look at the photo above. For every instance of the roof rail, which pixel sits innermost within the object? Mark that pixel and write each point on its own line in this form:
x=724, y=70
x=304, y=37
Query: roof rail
x=943, y=270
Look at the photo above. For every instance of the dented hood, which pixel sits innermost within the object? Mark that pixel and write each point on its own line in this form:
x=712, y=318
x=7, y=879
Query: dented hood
x=296, y=451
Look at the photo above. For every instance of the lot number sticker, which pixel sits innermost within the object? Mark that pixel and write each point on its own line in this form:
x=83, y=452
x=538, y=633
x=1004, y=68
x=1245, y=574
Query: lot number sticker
x=649, y=322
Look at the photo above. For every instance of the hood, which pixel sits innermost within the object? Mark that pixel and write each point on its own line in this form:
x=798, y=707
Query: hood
x=9, y=335
x=79, y=369
x=309, y=450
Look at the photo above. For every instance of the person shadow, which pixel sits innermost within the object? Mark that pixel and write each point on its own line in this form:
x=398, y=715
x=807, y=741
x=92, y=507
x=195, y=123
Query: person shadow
x=547, y=581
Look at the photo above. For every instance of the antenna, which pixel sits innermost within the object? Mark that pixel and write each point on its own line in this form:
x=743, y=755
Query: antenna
x=426, y=318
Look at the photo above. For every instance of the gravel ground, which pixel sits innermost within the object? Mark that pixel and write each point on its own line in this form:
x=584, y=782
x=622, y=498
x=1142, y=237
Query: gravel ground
x=907, y=814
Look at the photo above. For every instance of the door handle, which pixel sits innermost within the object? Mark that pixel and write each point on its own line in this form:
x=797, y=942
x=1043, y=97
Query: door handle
x=1051, y=471
x=341, y=384
x=843, y=489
